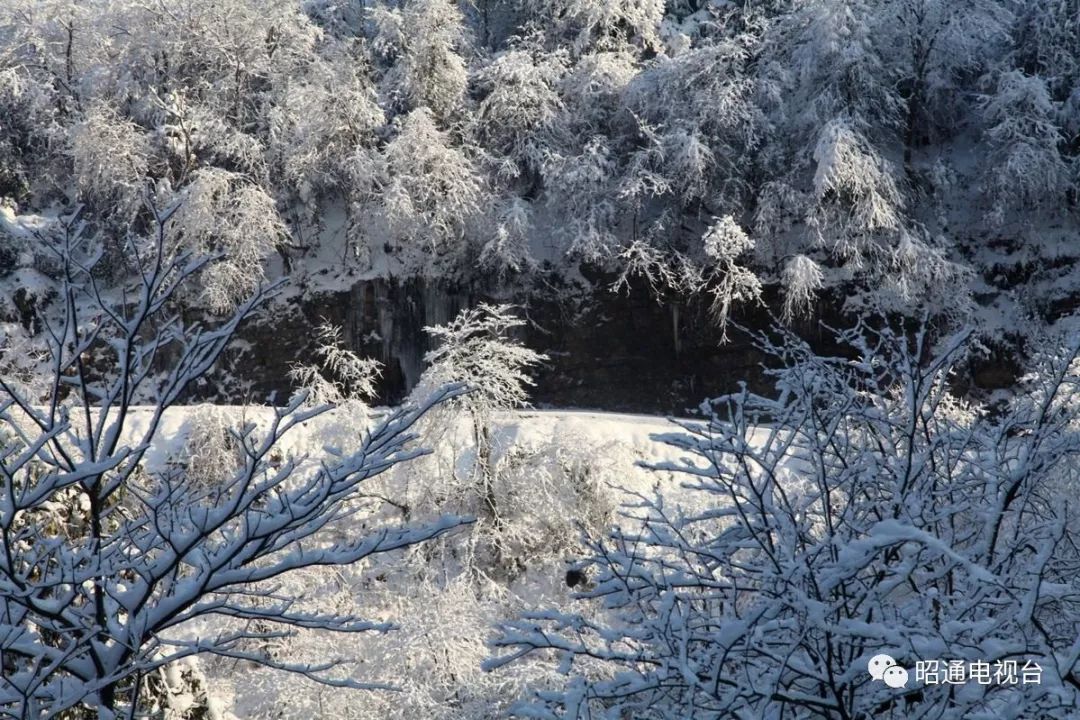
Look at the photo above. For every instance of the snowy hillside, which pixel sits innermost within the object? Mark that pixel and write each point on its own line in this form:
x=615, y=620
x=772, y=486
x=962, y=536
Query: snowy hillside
x=303, y=302
x=903, y=157
x=588, y=465
x=617, y=440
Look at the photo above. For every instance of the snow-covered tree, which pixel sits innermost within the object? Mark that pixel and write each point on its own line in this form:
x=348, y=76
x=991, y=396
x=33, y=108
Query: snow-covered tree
x=111, y=158
x=446, y=589
x=92, y=606
x=423, y=40
x=322, y=117
x=861, y=510
x=1026, y=167
x=726, y=280
x=702, y=106
x=931, y=46
x=836, y=66
x=716, y=271
x=476, y=351
x=1048, y=43
x=502, y=144
x=1047, y=46
x=858, y=204
x=832, y=193
x=234, y=221
x=521, y=104
x=594, y=23
x=27, y=116
x=430, y=193
x=351, y=378
x=867, y=85
x=801, y=279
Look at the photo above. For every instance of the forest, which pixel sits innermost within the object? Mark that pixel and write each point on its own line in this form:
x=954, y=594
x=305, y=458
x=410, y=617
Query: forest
x=475, y=359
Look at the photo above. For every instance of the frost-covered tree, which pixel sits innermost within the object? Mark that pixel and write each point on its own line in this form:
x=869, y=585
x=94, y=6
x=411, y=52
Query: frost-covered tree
x=1048, y=43
x=603, y=25
x=322, y=117
x=717, y=269
x=423, y=40
x=931, y=46
x=700, y=106
x=836, y=68
x=857, y=201
x=1027, y=168
x=233, y=221
x=832, y=192
x=867, y=84
x=351, y=378
x=431, y=191
x=521, y=106
x=178, y=105
x=93, y=604
x=860, y=510
x=475, y=350
x=27, y=115
x=504, y=144
x=111, y=158
x=802, y=277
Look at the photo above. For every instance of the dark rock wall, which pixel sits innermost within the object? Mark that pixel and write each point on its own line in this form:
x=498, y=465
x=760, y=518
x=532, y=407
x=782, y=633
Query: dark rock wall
x=380, y=319
x=623, y=352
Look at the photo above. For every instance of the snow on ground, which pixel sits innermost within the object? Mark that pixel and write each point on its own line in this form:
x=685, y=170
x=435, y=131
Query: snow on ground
x=624, y=439
x=558, y=472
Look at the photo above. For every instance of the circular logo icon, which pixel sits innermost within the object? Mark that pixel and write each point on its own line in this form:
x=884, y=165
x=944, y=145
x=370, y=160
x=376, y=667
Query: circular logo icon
x=879, y=664
x=895, y=676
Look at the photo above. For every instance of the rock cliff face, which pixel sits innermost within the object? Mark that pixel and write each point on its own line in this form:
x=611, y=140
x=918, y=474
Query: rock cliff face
x=380, y=318
x=628, y=353
x=624, y=352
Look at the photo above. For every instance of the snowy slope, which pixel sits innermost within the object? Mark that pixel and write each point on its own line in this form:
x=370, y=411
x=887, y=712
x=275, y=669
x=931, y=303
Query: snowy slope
x=630, y=436
x=563, y=470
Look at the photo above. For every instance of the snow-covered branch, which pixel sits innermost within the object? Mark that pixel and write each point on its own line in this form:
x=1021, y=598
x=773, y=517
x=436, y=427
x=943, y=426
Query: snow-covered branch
x=103, y=561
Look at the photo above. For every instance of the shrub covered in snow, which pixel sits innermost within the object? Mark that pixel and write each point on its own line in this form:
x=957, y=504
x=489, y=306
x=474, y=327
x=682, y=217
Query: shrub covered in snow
x=861, y=510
